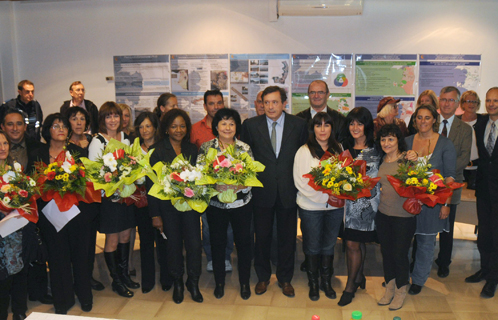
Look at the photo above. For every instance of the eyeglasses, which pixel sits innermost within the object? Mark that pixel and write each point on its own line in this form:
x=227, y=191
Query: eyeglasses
x=447, y=100
x=470, y=101
x=320, y=93
x=58, y=127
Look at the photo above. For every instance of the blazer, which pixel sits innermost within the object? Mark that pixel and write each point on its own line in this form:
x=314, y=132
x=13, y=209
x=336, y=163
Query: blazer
x=461, y=136
x=338, y=119
x=278, y=174
x=487, y=171
x=93, y=111
x=164, y=151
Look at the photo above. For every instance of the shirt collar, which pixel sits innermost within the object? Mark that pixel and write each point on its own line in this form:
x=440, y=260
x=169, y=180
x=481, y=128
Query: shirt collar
x=450, y=120
x=280, y=120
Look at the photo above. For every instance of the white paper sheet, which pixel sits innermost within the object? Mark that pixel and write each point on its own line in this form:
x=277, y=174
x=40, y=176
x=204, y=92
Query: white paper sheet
x=13, y=222
x=57, y=218
x=51, y=316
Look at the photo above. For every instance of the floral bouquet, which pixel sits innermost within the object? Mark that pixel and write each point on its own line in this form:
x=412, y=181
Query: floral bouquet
x=18, y=192
x=415, y=181
x=177, y=182
x=231, y=168
x=64, y=182
x=342, y=177
x=119, y=169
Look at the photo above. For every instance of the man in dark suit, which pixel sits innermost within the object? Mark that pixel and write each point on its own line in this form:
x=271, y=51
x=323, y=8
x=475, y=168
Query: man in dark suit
x=318, y=93
x=486, y=193
x=77, y=92
x=274, y=139
x=460, y=134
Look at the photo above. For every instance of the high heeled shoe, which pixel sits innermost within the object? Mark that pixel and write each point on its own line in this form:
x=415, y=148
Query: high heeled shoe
x=362, y=284
x=346, y=298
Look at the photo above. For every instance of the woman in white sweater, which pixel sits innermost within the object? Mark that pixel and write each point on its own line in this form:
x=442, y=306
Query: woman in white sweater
x=320, y=221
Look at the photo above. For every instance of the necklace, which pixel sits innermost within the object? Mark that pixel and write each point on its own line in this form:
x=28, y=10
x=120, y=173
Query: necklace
x=394, y=159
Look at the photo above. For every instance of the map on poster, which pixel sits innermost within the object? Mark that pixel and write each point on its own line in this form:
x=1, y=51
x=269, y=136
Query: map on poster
x=387, y=75
x=251, y=73
x=192, y=75
x=438, y=71
x=140, y=80
x=335, y=69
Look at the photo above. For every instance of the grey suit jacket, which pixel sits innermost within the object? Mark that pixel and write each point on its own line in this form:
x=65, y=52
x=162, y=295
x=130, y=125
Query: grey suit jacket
x=461, y=136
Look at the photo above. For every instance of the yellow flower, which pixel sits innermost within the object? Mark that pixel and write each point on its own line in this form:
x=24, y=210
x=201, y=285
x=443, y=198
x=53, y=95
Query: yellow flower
x=63, y=189
x=408, y=181
x=425, y=181
x=65, y=179
x=58, y=177
x=73, y=168
x=5, y=188
x=326, y=171
x=330, y=184
x=66, y=175
x=359, y=176
x=349, y=170
x=347, y=187
x=332, y=179
x=412, y=173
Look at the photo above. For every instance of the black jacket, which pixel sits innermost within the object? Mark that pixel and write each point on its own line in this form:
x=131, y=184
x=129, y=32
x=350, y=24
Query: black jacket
x=338, y=119
x=32, y=110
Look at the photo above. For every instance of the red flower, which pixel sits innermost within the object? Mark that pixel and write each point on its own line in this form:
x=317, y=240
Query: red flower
x=82, y=173
x=51, y=175
x=23, y=193
x=218, y=160
x=118, y=154
x=176, y=176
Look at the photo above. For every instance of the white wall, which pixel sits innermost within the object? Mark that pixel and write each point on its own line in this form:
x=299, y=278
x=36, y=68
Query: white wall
x=59, y=42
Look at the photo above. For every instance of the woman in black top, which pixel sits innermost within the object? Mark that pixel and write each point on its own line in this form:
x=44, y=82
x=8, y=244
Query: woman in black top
x=179, y=227
x=79, y=121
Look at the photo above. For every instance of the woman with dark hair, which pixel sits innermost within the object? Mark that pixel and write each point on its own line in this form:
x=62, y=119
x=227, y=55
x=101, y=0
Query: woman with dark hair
x=116, y=219
x=69, y=248
x=226, y=127
x=359, y=224
x=165, y=102
x=147, y=129
x=395, y=226
x=441, y=154
x=320, y=221
x=79, y=121
x=179, y=227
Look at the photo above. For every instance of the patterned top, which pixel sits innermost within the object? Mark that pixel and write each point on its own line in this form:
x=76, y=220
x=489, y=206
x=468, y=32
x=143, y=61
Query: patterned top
x=10, y=253
x=360, y=214
x=244, y=195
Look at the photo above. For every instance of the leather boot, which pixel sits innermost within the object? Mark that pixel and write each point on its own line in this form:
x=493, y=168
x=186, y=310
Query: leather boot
x=399, y=297
x=111, y=259
x=123, y=253
x=178, y=290
x=193, y=288
x=312, y=271
x=326, y=271
x=389, y=294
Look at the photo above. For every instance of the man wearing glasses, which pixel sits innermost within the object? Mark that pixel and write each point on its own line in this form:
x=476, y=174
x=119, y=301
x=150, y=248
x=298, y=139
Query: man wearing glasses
x=460, y=134
x=318, y=93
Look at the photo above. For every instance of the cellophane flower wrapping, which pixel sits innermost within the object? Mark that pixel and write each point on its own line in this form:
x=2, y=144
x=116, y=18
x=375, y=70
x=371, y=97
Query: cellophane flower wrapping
x=119, y=168
x=342, y=177
x=177, y=182
x=18, y=191
x=65, y=182
x=230, y=167
x=422, y=186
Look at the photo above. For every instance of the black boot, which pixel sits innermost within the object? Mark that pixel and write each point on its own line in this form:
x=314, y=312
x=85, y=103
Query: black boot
x=193, y=288
x=123, y=254
x=326, y=271
x=111, y=259
x=312, y=271
x=178, y=290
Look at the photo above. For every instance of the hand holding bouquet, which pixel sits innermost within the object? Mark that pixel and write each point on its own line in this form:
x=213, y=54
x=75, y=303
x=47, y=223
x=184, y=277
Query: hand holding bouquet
x=421, y=185
x=119, y=168
x=177, y=182
x=64, y=181
x=236, y=170
x=18, y=191
x=342, y=177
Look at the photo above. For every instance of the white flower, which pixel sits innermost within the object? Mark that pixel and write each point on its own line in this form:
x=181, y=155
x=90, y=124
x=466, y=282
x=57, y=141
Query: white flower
x=67, y=167
x=167, y=186
x=17, y=167
x=102, y=172
x=140, y=181
x=32, y=182
x=6, y=200
x=9, y=176
x=352, y=179
x=69, y=157
x=110, y=162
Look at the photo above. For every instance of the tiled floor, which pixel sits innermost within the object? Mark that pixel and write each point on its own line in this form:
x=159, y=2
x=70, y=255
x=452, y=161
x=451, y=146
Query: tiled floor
x=449, y=298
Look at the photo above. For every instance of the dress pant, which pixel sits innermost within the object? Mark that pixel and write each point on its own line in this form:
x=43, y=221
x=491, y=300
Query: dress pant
x=286, y=238
x=446, y=241
x=146, y=232
x=15, y=287
x=206, y=240
x=5, y=286
x=94, y=226
x=487, y=238
x=68, y=258
x=181, y=228
x=395, y=236
x=240, y=219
